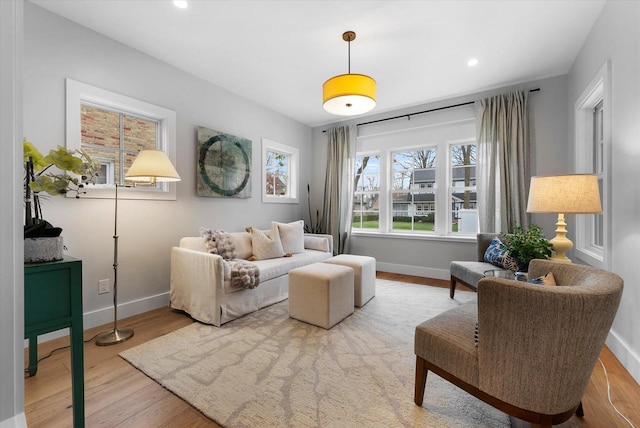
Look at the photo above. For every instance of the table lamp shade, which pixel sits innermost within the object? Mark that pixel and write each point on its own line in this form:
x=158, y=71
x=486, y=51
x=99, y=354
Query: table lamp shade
x=564, y=194
x=567, y=194
x=151, y=166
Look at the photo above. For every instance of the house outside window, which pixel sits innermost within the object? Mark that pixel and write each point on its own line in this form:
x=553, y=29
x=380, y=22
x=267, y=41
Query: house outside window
x=277, y=173
x=113, y=128
x=413, y=184
x=462, y=164
x=280, y=169
x=114, y=138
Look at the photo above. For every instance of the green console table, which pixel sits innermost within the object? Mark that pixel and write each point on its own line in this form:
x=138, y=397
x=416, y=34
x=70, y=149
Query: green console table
x=53, y=301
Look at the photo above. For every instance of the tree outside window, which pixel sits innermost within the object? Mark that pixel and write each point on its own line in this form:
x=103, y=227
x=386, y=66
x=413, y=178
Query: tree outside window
x=366, y=195
x=277, y=173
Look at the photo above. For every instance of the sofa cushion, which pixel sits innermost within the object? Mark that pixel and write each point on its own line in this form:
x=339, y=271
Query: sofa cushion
x=266, y=245
x=244, y=250
x=273, y=268
x=497, y=254
x=219, y=242
x=292, y=236
x=195, y=243
x=547, y=279
x=317, y=243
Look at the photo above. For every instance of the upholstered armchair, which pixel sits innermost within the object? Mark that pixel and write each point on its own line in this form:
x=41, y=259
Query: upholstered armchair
x=537, y=344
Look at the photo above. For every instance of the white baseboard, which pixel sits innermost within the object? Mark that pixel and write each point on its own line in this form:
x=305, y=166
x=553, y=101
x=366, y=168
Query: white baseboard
x=105, y=316
x=623, y=352
x=413, y=270
x=18, y=421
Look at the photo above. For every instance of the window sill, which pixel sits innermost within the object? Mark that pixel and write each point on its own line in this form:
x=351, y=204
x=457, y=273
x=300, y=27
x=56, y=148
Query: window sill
x=419, y=236
x=278, y=200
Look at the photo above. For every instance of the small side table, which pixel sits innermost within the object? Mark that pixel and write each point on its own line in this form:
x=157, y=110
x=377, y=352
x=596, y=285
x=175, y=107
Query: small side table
x=53, y=301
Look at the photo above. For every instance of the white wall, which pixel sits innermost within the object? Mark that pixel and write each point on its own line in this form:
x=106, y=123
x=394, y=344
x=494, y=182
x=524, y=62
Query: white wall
x=431, y=256
x=11, y=242
x=616, y=37
x=56, y=49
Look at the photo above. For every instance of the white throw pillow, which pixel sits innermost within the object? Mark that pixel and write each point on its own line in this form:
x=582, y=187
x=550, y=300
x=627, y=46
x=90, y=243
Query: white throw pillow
x=266, y=245
x=291, y=235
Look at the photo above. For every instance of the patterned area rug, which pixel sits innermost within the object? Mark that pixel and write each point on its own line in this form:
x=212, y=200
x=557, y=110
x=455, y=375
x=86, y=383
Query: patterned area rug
x=267, y=370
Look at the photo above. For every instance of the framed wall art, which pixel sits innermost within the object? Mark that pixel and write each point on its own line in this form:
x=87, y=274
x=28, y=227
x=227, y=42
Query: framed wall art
x=224, y=165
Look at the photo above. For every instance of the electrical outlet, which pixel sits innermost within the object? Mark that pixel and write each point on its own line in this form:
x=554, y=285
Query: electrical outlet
x=103, y=286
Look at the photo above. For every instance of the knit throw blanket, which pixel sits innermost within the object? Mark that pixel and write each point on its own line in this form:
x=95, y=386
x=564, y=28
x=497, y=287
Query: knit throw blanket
x=241, y=273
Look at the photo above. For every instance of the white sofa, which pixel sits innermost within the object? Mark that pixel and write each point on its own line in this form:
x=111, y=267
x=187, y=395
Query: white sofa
x=199, y=286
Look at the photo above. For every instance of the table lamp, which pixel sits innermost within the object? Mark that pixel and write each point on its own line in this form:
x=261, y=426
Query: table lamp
x=564, y=194
x=150, y=166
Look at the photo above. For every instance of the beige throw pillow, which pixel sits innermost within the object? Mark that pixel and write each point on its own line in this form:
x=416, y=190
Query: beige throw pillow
x=266, y=245
x=291, y=235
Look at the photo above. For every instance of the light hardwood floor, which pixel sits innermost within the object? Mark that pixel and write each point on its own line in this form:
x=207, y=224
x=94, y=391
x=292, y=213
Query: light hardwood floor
x=116, y=394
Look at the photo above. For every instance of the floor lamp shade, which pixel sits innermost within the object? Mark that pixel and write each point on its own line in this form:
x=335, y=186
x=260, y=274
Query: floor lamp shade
x=564, y=194
x=149, y=166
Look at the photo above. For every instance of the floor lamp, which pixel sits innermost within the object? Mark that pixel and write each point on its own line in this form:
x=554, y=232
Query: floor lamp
x=150, y=166
x=564, y=194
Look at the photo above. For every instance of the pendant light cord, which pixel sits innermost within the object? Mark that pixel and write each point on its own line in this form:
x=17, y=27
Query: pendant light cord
x=349, y=50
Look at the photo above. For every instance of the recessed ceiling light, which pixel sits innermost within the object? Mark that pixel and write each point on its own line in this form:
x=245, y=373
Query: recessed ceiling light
x=182, y=4
x=472, y=62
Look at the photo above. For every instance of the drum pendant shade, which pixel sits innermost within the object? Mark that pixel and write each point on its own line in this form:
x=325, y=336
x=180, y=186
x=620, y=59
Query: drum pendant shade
x=349, y=94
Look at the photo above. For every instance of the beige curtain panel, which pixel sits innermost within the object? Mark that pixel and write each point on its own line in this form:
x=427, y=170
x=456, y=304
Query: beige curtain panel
x=503, y=161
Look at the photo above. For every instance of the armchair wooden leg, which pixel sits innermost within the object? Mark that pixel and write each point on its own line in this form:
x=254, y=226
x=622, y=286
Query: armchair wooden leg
x=421, y=380
x=452, y=287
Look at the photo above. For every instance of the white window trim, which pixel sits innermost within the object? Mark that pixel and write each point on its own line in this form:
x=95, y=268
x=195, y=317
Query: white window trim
x=443, y=224
x=294, y=172
x=598, y=89
x=78, y=93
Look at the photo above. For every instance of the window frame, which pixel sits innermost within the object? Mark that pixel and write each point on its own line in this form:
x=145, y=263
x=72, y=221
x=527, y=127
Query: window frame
x=452, y=127
x=294, y=172
x=597, y=91
x=78, y=93
x=379, y=192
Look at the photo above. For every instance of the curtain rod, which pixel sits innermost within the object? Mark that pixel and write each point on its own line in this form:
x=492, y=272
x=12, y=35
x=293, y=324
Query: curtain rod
x=408, y=115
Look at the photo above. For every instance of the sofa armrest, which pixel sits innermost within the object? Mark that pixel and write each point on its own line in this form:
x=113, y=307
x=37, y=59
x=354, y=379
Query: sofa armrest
x=197, y=279
x=319, y=242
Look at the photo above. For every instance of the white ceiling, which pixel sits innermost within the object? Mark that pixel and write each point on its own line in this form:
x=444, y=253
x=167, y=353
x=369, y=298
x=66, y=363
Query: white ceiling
x=278, y=53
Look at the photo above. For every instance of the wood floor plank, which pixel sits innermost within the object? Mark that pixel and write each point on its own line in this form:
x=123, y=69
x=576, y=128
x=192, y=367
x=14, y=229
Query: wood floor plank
x=117, y=394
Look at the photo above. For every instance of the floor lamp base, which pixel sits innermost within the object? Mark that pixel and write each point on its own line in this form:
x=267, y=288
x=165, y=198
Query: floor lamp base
x=114, y=336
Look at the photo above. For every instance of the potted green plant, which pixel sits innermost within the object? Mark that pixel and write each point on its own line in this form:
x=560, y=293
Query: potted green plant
x=60, y=172
x=526, y=245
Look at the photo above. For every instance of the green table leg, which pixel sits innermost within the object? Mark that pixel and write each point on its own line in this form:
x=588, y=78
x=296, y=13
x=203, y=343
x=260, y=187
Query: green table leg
x=33, y=355
x=77, y=376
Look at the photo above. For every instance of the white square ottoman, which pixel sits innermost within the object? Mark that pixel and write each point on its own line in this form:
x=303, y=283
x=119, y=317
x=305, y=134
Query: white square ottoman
x=364, y=285
x=321, y=294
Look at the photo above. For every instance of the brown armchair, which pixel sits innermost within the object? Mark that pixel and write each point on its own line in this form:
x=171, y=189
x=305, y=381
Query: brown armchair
x=537, y=344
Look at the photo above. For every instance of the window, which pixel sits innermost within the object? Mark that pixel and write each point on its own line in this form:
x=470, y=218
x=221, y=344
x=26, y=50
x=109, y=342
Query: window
x=114, y=138
x=413, y=189
x=417, y=177
x=113, y=129
x=592, y=138
x=279, y=172
x=366, y=198
x=464, y=214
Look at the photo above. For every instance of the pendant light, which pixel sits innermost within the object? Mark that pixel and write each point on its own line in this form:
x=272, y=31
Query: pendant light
x=349, y=94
